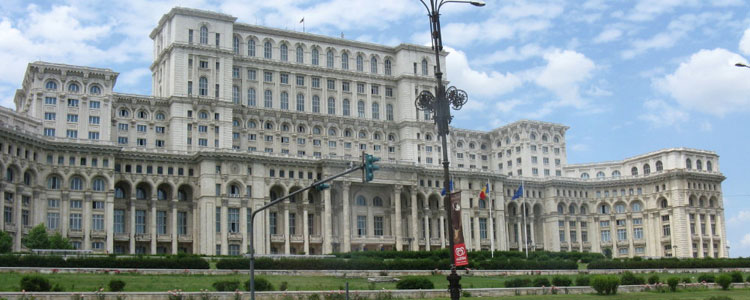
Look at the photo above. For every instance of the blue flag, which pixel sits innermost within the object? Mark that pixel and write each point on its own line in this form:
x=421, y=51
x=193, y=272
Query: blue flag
x=518, y=193
x=442, y=193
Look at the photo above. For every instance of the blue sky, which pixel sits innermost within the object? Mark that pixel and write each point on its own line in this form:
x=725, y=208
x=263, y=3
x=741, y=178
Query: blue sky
x=628, y=77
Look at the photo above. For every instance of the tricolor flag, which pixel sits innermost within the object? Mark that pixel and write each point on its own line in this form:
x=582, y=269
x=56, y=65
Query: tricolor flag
x=483, y=193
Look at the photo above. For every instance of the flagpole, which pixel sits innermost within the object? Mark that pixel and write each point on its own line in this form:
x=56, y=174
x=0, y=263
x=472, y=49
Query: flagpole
x=492, y=221
x=523, y=212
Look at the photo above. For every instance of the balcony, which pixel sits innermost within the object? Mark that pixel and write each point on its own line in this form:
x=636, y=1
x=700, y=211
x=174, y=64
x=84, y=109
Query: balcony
x=234, y=236
x=163, y=237
x=98, y=234
x=296, y=238
x=277, y=238
x=316, y=239
x=379, y=239
x=185, y=238
x=122, y=237
x=435, y=241
x=142, y=237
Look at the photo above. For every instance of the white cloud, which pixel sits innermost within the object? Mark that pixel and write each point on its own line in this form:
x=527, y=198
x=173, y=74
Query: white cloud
x=647, y=10
x=508, y=106
x=741, y=218
x=676, y=30
x=513, y=54
x=608, y=35
x=133, y=77
x=745, y=242
x=745, y=42
x=706, y=126
x=708, y=82
x=564, y=73
x=579, y=147
x=661, y=114
x=475, y=82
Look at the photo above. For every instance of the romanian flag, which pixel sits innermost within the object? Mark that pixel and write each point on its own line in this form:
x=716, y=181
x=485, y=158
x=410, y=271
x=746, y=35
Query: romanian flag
x=483, y=193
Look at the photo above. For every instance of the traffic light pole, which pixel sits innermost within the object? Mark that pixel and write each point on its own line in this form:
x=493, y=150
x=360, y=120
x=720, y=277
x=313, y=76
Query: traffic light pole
x=319, y=185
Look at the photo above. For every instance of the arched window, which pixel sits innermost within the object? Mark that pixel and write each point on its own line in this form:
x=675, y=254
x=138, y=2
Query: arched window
x=360, y=63
x=620, y=208
x=285, y=127
x=204, y=35
x=74, y=88
x=234, y=190
x=600, y=174
x=688, y=164
x=236, y=45
x=387, y=67
x=331, y=106
x=300, y=55
x=203, y=86
x=119, y=193
x=391, y=137
x=361, y=109
x=251, y=97
x=709, y=166
x=161, y=194
x=76, y=183
x=560, y=209
x=235, y=94
x=424, y=67
x=181, y=195
x=583, y=209
x=316, y=130
x=698, y=165
x=584, y=175
x=54, y=182
x=95, y=90
x=361, y=201
x=634, y=171
x=572, y=209
x=711, y=202
x=140, y=193
x=235, y=123
x=251, y=47
x=268, y=99
x=332, y=131
x=615, y=174
x=251, y=124
x=315, y=56
x=636, y=207
x=345, y=61
x=664, y=203
x=142, y=114
x=267, y=50
x=51, y=85
x=604, y=209
x=346, y=107
x=284, y=100
x=362, y=134
x=377, y=201
x=9, y=175
x=374, y=65
x=389, y=112
x=98, y=184
x=300, y=102
x=160, y=116
x=269, y=125
x=329, y=59
x=28, y=179
x=375, y=110
x=203, y=115
x=284, y=52
x=646, y=169
x=316, y=104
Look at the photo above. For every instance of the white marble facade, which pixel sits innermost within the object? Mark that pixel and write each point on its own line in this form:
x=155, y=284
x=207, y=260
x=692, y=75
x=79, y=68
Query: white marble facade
x=242, y=114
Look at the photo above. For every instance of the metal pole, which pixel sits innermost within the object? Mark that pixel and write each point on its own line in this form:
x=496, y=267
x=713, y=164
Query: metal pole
x=252, y=255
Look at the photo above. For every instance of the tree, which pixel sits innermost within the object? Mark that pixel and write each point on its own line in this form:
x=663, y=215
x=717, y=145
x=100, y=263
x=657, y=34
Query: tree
x=57, y=241
x=37, y=238
x=6, y=242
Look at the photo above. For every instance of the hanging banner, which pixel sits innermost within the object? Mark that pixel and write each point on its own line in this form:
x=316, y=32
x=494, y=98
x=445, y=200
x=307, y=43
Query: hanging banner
x=460, y=257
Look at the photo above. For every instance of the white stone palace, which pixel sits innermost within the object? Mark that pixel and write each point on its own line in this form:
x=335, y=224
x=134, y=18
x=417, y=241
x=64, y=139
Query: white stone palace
x=243, y=114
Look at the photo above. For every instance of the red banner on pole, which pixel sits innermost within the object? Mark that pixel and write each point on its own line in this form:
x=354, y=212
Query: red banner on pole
x=460, y=256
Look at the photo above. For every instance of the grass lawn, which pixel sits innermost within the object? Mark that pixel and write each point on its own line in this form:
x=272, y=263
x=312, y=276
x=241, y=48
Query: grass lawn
x=137, y=283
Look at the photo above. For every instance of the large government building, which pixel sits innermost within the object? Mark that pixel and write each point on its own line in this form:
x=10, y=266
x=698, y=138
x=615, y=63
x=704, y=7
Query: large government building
x=243, y=114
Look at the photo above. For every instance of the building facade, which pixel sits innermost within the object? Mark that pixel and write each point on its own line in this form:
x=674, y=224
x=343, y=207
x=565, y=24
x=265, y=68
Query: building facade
x=243, y=114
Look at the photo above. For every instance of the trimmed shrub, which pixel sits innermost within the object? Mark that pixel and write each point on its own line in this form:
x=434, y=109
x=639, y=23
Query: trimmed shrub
x=719, y=298
x=261, y=284
x=673, y=282
x=561, y=281
x=582, y=280
x=35, y=283
x=227, y=285
x=628, y=278
x=283, y=286
x=540, y=281
x=415, y=283
x=706, y=277
x=518, y=282
x=748, y=278
x=670, y=263
x=736, y=276
x=687, y=280
x=605, y=284
x=724, y=280
x=116, y=285
x=653, y=279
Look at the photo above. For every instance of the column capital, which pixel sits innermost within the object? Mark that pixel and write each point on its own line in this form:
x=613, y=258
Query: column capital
x=346, y=185
x=398, y=188
x=224, y=202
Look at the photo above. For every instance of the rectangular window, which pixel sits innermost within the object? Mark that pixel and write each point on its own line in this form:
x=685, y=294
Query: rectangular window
x=76, y=204
x=310, y=223
x=94, y=104
x=49, y=132
x=360, y=88
x=72, y=118
x=378, y=226
x=605, y=236
x=161, y=222
x=50, y=116
x=268, y=76
x=119, y=221
x=218, y=219
x=361, y=225
x=140, y=222
x=94, y=120
x=316, y=82
x=482, y=228
x=638, y=233
x=97, y=222
x=292, y=223
x=584, y=236
x=233, y=218
x=345, y=86
x=75, y=222
x=388, y=91
x=666, y=230
x=331, y=84
x=72, y=102
x=622, y=234
x=182, y=223
x=50, y=100
x=252, y=75
x=284, y=78
x=53, y=220
x=93, y=135
x=272, y=222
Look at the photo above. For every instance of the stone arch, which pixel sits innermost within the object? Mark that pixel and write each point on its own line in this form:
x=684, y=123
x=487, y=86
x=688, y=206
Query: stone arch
x=512, y=209
x=12, y=173
x=185, y=193
x=77, y=182
x=123, y=190
x=662, y=202
x=277, y=191
x=164, y=192
x=144, y=190
x=692, y=200
x=29, y=177
x=712, y=202
x=234, y=189
x=296, y=198
x=572, y=208
x=434, y=201
x=99, y=183
x=55, y=181
x=702, y=201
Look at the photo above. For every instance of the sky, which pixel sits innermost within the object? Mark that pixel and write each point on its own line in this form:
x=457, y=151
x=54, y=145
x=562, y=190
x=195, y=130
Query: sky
x=628, y=77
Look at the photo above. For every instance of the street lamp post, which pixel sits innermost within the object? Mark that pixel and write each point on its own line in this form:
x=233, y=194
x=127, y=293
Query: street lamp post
x=440, y=106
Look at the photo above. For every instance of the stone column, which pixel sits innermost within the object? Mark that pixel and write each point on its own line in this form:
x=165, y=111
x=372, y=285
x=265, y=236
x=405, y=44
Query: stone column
x=224, y=227
x=152, y=225
x=427, y=230
x=174, y=231
x=478, y=238
x=442, y=231
x=502, y=231
x=721, y=229
x=414, y=228
x=327, y=235
x=243, y=224
x=86, y=219
x=520, y=241
x=286, y=231
x=109, y=218
x=491, y=230
x=305, y=230
x=532, y=233
x=17, y=217
x=346, y=243
x=397, y=211
x=2, y=208
x=132, y=225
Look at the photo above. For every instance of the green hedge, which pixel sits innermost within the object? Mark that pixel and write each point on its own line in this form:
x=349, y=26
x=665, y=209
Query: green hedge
x=672, y=263
x=475, y=255
x=170, y=262
x=371, y=263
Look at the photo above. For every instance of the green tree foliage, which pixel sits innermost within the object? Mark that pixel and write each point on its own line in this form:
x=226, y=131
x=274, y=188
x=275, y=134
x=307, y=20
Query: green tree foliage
x=6, y=242
x=57, y=241
x=37, y=238
x=605, y=284
x=724, y=280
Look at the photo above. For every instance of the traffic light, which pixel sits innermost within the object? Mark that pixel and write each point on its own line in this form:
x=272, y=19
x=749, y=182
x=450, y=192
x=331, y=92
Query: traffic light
x=369, y=167
x=322, y=186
